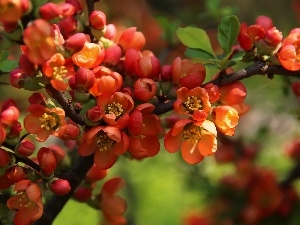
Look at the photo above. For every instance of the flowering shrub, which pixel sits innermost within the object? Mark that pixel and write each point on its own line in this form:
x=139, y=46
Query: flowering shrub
x=97, y=94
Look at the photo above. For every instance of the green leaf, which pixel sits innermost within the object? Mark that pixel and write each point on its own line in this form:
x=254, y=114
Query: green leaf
x=195, y=38
x=202, y=57
x=228, y=32
x=212, y=5
x=238, y=56
x=3, y=55
x=8, y=65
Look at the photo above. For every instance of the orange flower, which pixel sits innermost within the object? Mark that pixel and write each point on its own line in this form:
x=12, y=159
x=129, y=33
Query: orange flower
x=226, y=118
x=113, y=206
x=195, y=139
x=27, y=202
x=57, y=70
x=289, y=54
x=39, y=41
x=144, y=129
x=90, y=56
x=194, y=102
x=106, y=142
x=44, y=121
x=107, y=81
x=116, y=107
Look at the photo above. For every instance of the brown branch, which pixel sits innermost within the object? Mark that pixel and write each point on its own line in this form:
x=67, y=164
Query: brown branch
x=66, y=105
x=258, y=68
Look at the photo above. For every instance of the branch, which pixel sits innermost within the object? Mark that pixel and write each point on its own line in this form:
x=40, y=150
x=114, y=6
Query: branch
x=76, y=175
x=258, y=68
x=66, y=105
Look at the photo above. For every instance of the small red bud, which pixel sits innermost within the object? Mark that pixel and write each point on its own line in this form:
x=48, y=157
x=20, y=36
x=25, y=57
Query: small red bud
x=97, y=20
x=75, y=42
x=95, y=114
x=144, y=89
x=112, y=55
x=4, y=158
x=16, y=173
x=60, y=187
x=25, y=148
x=83, y=80
x=110, y=31
x=273, y=36
x=265, y=22
x=47, y=160
x=166, y=73
x=296, y=88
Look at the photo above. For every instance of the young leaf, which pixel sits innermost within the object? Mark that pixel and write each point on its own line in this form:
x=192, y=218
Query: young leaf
x=195, y=38
x=202, y=56
x=228, y=31
x=3, y=55
x=8, y=65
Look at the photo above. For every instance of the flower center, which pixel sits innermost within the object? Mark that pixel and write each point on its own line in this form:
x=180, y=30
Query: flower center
x=50, y=121
x=115, y=108
x=23, y=200
x=192, y=133
x=104, y=143
x=193, y=103
x=59, y=72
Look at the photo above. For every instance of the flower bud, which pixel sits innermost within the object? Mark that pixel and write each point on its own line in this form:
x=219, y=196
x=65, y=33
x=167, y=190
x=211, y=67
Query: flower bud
x=147, y=67
x=83, y=194
x=166, y=73
x=26, y=65
x=4, y=158
x=265, y=22
x=68, y=26
x=58, y=153
x=60, y=187
x=49, y=11
x=25, y=148
x=144, y=89
x=70, y=131
x=17, y=78
x=84, y=80
x=97, y=20
x=112, y=55
x=9, y=116
x=130, y=38
x=95, y=114
x=47, y=160
x=76, y=4
x=75, y=42
x=131, y=56
x=110, y=31
x=273, y=36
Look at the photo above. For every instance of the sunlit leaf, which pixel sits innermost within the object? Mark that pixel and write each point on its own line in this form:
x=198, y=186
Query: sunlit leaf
x=195, y=38
x=228, y=31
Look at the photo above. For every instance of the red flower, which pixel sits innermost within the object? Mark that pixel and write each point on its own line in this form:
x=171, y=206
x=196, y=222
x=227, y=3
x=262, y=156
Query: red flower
x=195, y=139
x=194, y=102
x=57, y=70
x=44, y=121
x=289, y=53
x=144, y=128
x=27, y=202
x=113, y=206
x=116, y=108
x=39, y=40
x=106, y=142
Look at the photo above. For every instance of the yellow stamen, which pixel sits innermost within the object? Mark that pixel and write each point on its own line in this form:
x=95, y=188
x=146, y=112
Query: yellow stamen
x=193, y=103
x=115, y=108
x=104, y=143
x=50, y=121
x=192, y=133
x=59, y=72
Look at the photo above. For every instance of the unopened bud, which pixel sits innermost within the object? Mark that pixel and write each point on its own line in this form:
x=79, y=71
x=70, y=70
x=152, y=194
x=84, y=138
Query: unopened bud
x=60, y=187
